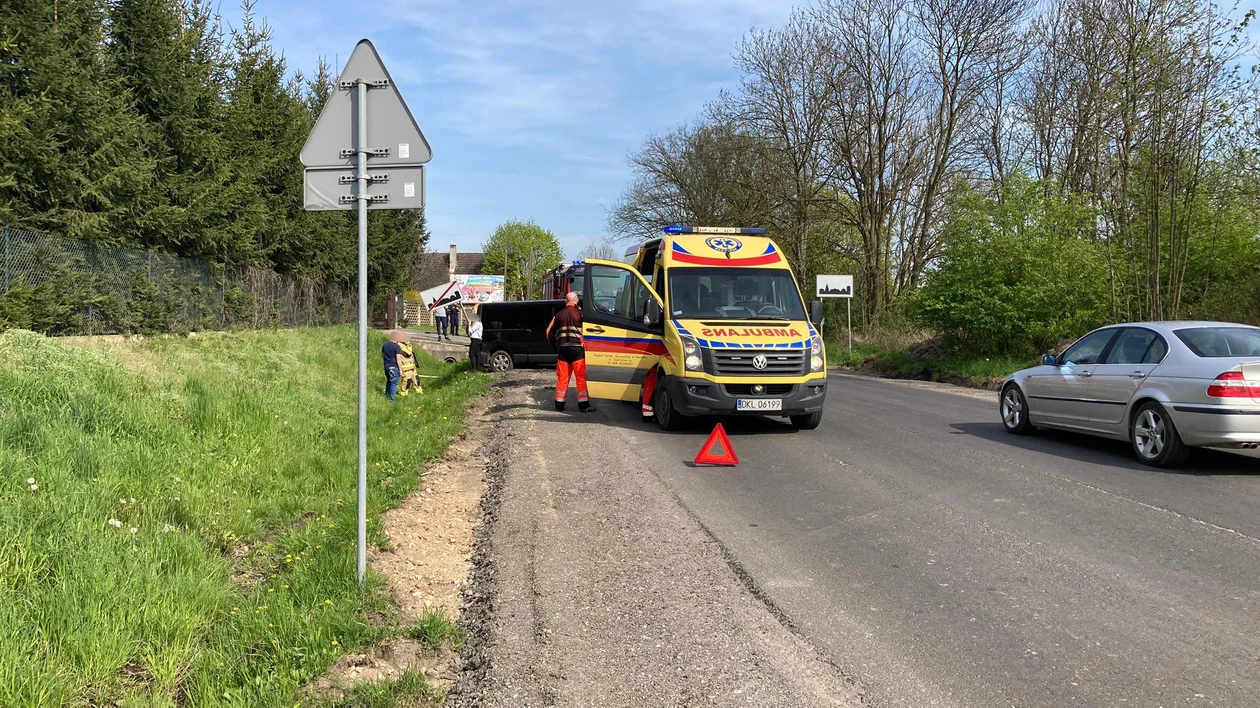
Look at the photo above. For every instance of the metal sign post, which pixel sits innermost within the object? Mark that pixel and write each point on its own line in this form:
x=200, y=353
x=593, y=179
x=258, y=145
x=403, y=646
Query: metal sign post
x=839, y=286
x=335, y=156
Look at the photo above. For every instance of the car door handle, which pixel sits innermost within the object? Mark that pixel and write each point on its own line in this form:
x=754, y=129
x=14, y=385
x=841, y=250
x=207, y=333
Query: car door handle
x=1137, y=375
x=1086, y=374
x=595, y=330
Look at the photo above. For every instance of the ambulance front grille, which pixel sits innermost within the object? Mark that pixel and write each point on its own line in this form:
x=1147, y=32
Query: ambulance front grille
x=740, y=362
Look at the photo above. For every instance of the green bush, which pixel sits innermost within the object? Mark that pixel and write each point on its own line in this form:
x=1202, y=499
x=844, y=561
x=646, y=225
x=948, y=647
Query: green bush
x=1020, y=273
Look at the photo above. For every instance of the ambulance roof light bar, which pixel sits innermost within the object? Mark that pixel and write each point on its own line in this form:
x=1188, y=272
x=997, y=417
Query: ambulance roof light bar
x=681, y=229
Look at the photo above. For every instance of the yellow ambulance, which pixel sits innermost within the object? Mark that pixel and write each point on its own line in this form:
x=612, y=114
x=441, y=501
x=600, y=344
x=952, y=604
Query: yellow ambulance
x=712, y=321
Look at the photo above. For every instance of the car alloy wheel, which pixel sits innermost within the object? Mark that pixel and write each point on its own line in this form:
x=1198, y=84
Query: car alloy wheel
x=1150, y=434
x=1155, y=438
x=1014, y=410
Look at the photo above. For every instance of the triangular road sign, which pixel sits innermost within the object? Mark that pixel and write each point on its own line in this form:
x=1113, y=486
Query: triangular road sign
x=717, y=439
x=391, y=129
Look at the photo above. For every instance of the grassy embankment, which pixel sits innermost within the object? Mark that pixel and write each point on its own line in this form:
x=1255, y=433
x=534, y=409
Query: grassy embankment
x=915, y=356
x=177, y=515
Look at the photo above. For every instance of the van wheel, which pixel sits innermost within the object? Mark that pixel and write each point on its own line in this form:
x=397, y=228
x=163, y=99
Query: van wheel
x=807, y=421
x=501, y=362
x=666, y=416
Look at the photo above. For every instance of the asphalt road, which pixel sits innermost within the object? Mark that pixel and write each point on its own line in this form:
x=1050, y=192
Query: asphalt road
x=943, y=562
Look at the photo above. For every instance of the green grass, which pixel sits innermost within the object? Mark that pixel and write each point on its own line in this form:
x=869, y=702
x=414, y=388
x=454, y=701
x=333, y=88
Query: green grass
x=974, y=371
x=435, y=628
x=191, y=536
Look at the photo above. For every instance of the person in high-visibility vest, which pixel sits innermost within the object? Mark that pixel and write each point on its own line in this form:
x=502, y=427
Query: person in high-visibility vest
x=565, y=333
x=407, y=369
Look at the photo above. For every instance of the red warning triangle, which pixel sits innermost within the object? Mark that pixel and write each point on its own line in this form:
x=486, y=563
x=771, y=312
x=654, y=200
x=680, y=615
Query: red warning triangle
x=717, y=440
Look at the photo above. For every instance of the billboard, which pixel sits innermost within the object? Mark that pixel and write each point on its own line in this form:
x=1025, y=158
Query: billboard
x=481, y=288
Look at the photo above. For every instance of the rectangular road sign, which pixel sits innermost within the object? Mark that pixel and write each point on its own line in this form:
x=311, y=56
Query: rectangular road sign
x=835, y=286
x=390, y=187
x=393, y=136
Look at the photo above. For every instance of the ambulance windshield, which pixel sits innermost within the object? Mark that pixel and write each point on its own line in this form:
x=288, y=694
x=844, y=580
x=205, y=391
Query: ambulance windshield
x=734, y=294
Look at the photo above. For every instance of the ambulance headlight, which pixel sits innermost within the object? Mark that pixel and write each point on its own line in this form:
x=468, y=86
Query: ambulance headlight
x=691, y=355
x=816, y=359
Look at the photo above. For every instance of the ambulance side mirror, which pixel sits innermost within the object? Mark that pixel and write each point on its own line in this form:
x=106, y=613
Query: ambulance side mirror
x=652, y=313
x=816, y=313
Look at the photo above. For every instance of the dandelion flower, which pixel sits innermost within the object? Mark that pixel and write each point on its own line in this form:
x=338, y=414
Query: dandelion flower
x=327, y=602
x=115, y=523
x=334, y=643
x=134, y=529
x=271, y=589
x=34, y=487
x=31, y=480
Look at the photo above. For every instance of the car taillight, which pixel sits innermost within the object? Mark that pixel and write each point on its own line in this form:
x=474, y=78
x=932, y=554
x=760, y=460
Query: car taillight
x=1232, y=384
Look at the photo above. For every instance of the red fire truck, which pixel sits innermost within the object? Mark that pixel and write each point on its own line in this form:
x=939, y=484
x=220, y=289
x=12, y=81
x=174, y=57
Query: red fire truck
x=562, y=279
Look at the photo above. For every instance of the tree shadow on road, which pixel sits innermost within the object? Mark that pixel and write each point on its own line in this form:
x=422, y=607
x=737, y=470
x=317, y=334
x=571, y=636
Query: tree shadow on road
x=1094, y=450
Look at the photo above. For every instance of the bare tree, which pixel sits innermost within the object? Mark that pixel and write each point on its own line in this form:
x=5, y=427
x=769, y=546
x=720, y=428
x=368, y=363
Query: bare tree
x=784, y=98
x=875, y=133
x=603, y=251
x=708, y=174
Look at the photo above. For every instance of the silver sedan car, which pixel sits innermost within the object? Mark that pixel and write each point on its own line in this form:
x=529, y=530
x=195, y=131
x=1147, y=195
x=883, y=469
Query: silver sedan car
x=1163, y=386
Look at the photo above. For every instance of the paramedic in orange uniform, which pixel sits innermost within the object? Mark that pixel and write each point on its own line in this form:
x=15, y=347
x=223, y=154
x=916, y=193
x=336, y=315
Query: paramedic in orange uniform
x=565, y=331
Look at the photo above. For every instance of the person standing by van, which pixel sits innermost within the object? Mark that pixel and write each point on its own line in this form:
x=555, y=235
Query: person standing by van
x=565, y=333
x=475, y=330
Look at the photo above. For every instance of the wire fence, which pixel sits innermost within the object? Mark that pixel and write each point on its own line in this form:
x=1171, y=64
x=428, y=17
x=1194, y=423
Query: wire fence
x=68, y=286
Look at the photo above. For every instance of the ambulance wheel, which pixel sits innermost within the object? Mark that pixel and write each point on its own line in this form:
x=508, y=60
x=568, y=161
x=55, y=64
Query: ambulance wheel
x=666, y=416
x=807, y=421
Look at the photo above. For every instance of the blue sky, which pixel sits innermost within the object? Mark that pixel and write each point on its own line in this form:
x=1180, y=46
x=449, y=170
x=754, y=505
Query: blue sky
x=531, y=108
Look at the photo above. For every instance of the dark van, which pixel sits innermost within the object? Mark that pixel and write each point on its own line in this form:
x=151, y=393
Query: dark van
x=515, y=333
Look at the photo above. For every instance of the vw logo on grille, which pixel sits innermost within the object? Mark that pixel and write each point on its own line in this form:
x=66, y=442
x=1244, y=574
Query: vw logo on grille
x=759, y=362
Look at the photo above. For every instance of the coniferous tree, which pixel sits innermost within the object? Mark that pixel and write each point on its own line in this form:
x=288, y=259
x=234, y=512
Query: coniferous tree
x=167, y=53
x=74, y=155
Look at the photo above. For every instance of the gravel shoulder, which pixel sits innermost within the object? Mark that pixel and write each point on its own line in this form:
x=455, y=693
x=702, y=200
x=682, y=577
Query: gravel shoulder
x=593, y=585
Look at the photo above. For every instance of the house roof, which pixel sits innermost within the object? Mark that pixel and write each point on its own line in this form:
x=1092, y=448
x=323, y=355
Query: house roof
x=435, y=268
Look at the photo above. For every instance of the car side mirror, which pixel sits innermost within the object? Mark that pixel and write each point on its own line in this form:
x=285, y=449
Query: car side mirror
x=816, y=313
x=652, y=313
x=1049, y=360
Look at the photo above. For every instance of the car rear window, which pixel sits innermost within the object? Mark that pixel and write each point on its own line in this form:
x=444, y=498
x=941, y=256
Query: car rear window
x=1221, y=342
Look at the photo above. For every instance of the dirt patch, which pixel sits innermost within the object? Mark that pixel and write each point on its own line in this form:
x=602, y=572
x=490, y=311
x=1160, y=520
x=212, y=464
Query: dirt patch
x=433, y=532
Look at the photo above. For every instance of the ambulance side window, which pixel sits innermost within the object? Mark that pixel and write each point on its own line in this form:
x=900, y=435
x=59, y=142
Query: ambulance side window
x=618, y=293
